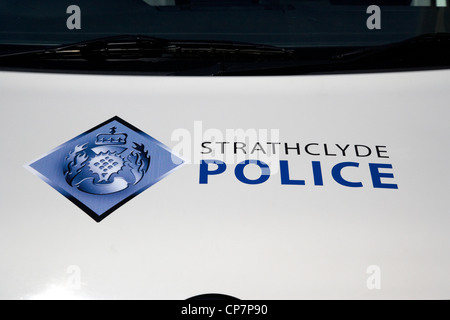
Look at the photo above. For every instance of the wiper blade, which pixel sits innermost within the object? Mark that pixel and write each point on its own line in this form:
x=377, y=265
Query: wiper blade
x=147, y=55
x=428, y=51
x=143, y=47
x=409, y=46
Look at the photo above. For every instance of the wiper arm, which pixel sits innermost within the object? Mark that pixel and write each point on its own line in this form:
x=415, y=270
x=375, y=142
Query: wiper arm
x=143, y=47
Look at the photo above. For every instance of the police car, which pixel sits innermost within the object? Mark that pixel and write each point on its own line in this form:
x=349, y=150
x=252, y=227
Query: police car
x=255, y=149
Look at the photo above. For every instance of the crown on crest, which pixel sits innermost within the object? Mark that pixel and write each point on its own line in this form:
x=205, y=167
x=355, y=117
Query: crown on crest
x=111, y=138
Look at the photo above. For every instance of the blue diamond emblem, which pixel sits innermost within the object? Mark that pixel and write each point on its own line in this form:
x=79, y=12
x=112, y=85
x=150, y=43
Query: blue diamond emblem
x=103, y=168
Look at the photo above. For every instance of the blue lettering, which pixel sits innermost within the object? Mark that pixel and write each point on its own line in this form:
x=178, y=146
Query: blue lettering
x=284, y=172
x=377, y=175
x=239, y=172
x=205, y=172
x=336, y=173
x=317, y=173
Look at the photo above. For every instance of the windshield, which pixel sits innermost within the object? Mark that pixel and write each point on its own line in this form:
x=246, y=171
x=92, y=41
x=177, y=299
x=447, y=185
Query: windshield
x=284, y=23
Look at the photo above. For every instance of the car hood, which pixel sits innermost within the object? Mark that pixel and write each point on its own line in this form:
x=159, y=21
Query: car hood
x=326, y=186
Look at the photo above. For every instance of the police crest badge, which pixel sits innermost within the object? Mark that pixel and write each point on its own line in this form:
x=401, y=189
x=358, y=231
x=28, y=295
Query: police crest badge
x=105, y=167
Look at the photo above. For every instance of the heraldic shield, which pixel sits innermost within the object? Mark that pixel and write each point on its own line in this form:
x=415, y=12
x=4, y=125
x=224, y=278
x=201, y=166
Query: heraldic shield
x=106, y=167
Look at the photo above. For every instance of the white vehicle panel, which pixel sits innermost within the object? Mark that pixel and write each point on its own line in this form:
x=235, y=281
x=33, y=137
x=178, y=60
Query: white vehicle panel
x=180, y=238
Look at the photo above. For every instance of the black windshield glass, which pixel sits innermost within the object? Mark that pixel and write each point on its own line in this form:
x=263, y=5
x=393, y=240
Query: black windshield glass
x=284, y=23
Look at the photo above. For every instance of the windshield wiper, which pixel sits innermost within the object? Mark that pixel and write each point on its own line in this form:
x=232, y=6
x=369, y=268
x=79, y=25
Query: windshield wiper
x=142, y=47
x=407, y=47
x=147, y=55
x=140, y=54
x=428, y=51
